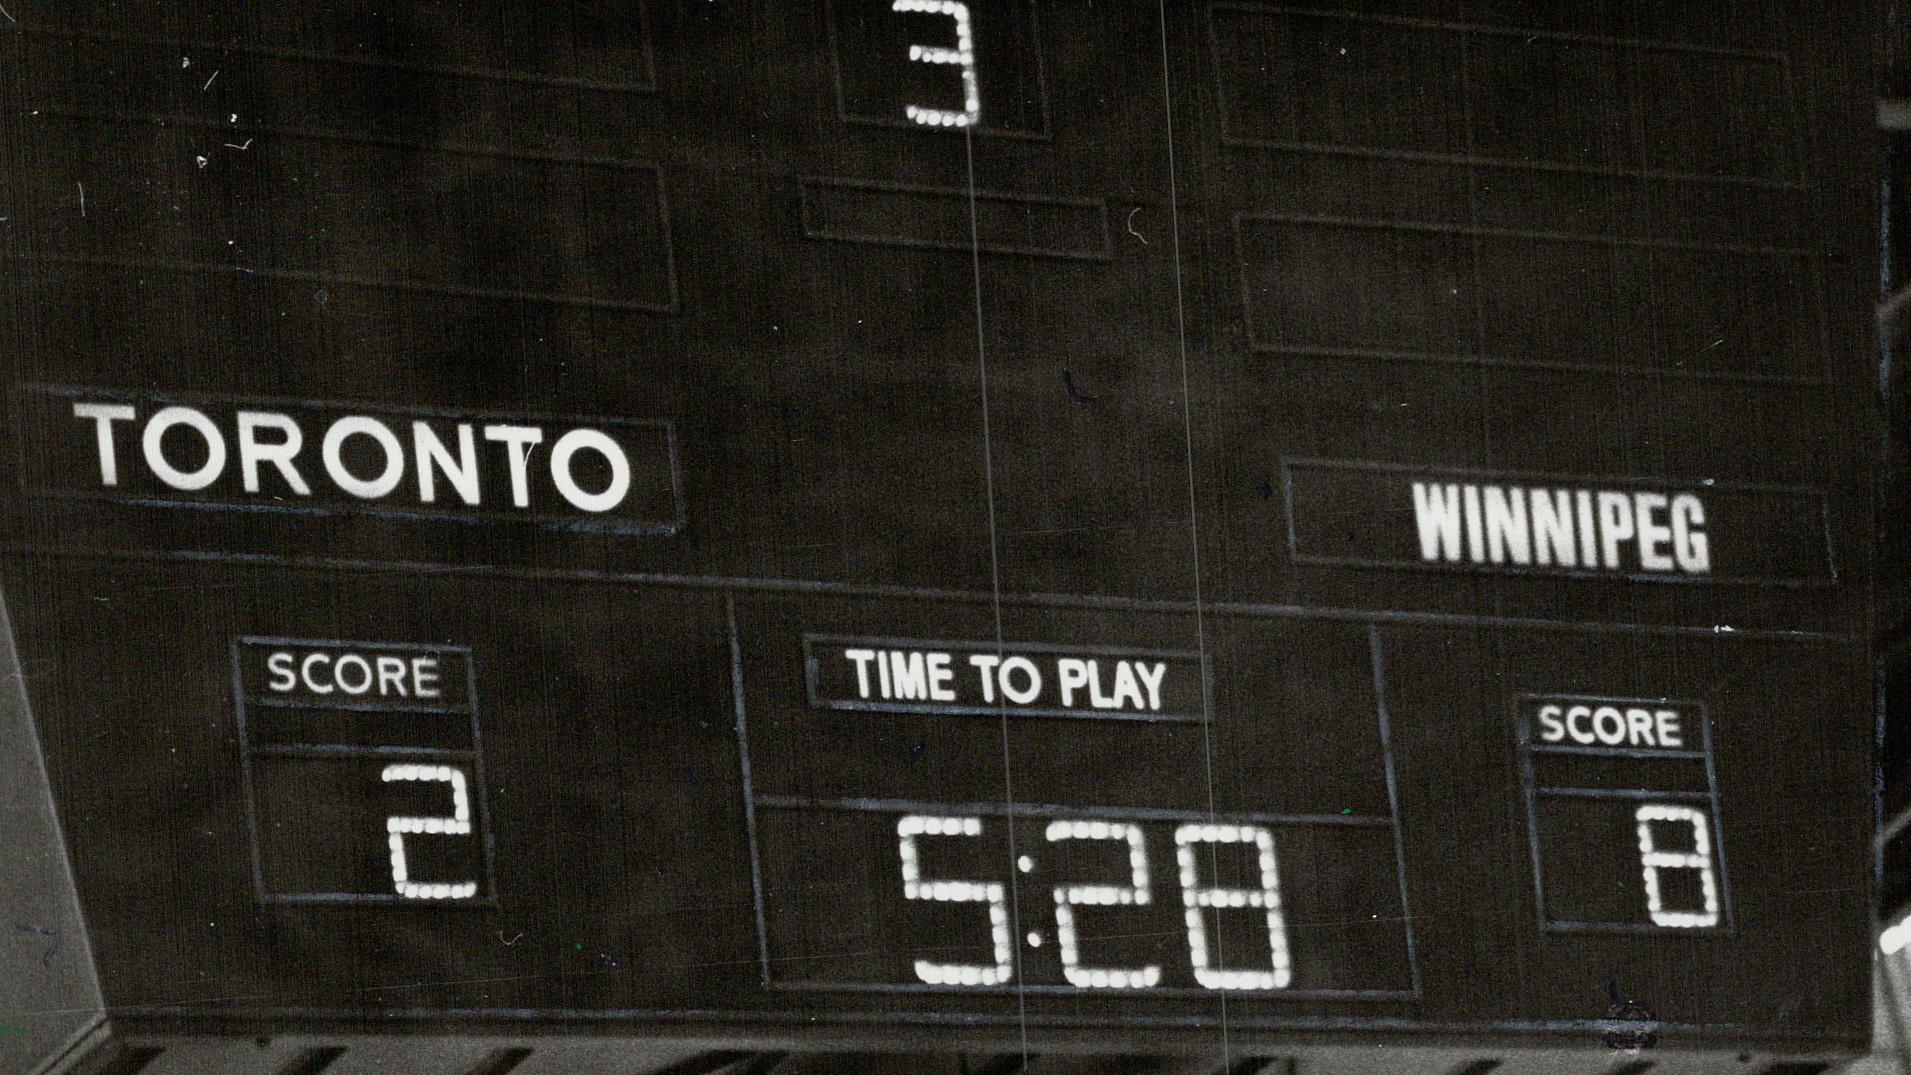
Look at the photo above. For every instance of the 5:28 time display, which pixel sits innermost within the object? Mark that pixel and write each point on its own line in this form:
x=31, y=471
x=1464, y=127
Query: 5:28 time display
x=1268, y=968
x=990, y=896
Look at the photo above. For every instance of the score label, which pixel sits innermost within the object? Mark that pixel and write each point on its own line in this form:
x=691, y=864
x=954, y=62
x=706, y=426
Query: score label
x=1624, y=816
x=322, y=675
x=907, y=676
x=364, y=782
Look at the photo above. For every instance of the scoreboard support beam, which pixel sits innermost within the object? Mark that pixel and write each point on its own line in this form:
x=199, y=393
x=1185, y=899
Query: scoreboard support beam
x=50, y=1007
x=1894, y=115
x=1893, y=314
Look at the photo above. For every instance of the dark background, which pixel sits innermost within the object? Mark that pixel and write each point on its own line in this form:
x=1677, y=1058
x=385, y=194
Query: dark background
x=1035, y=382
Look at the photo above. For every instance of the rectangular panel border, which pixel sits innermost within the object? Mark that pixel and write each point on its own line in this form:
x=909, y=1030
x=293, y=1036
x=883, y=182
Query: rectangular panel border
x=1270, y=347
x=1533, y=790
x=848, y=118
x=813, y=230
x=811, y=685
x=661, y=528
x=1230, y=138
x=669, y=305
x=647, y=84
x=488, y=900
x=752, y=801
x=1289, y=463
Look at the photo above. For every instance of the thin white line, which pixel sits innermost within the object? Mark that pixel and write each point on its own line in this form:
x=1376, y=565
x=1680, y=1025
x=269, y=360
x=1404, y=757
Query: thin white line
x=1194, y=527
x=995, y=592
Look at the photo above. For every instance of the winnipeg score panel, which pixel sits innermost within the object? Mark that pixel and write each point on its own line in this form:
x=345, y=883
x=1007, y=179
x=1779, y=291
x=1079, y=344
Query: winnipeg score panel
x=897, y=523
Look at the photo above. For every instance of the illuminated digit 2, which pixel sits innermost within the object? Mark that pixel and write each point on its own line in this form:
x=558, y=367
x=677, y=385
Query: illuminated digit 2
x=458, y=824
x=992, y=893
x=963, y=56
x=1195, y=897
x=1652, y=860
x=1067, y=897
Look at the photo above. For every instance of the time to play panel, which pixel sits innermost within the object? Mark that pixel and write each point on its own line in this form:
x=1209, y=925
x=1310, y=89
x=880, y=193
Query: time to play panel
x=1084, y=810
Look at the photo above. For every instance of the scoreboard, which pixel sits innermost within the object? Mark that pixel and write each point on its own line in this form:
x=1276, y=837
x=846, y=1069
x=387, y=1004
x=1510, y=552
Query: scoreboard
x=976, y=522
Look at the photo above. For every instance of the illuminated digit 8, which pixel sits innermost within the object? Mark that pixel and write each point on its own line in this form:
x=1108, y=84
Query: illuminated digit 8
x=1101, y=896
x=1652, y=860
x=963, y=56
x=1194, y=898
x=458, y=824
x=992, y=893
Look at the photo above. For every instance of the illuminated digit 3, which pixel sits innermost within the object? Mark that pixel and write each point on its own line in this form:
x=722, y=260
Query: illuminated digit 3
x=458, y=824
x=1652, y=860
x=1068, y=897
x=963, y=56
x=992, y=893
x=1195, y=898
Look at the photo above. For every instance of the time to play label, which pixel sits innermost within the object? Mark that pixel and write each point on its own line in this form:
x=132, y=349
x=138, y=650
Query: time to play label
x=1023, y=679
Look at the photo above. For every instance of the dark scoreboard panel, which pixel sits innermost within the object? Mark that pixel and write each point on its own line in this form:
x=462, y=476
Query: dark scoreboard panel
x=851, y=520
